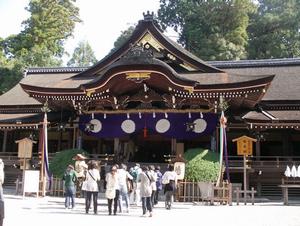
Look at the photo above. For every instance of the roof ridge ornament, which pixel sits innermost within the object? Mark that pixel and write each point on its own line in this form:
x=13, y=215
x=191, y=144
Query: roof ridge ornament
x=148, y=16
x=138, y=53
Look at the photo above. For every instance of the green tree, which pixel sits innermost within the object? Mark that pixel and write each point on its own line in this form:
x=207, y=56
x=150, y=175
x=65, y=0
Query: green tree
x=125, y=35
x=83, y=55
x=202, y=165
x=211, y=29
x=274, y=30
x=41, y=41
x=10, y=71
x=62, y=159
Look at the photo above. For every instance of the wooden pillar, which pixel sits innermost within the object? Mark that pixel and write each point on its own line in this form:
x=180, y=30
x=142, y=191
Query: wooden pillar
x=257, y=149
x=116, y=148
x=99, y=146
x=173, y=146
x=59, y=140
x=79, y=139
x=74, y=137
x=245, y=188
x=213, y=142
x=41, y=153
x=4, y=141
x=70, y=138
x=285, y=143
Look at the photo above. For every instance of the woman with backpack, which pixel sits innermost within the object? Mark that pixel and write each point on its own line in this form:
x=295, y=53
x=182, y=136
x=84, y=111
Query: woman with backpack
x=70, y=179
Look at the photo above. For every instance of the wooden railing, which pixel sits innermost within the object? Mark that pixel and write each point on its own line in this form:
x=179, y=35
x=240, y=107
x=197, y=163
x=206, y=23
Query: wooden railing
x=11, y=158
x=263, y=162
x=57, y=188
x=190, y=191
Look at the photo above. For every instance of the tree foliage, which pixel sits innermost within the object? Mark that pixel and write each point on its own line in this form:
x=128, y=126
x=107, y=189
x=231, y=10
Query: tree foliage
x=125, y=35
x=202, y=165
x=41, y=41
x=211, y=29
x=274, y=30
x=10, y=71
x=83, y=55
x=62, y=159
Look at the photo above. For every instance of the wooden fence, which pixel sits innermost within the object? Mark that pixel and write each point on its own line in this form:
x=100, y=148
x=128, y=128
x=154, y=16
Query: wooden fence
x=191, y=191
x=188, y=191
x=57, y=188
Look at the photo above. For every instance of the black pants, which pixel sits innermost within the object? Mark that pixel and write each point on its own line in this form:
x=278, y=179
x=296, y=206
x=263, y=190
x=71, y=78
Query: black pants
x=110, y=201
x=153, y=198
x=146, y=204
x=156, y=197
x=1, y=209
x=88, y=198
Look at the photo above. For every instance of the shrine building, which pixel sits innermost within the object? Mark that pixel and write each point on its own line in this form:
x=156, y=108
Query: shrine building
x=150, y=95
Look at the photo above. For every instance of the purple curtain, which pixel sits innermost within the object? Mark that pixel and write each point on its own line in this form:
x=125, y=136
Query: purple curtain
x=173, y=125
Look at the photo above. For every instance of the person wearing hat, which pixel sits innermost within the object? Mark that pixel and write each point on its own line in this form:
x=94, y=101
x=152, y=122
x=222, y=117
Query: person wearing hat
x=80, y=169
x=69, y=179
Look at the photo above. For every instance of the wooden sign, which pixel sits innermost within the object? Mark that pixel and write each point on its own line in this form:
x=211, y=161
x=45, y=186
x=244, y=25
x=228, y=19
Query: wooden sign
x=31, y=180
x=179, y=168
x=244, y=145
x=25, y=147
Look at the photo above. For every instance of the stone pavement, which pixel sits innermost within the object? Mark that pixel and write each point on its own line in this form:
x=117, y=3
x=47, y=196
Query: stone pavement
x=50, y=211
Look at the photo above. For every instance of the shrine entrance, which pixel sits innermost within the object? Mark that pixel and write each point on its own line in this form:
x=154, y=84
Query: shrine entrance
x=147, y=137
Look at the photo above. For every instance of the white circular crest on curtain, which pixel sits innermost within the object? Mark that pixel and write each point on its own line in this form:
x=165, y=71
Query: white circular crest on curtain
x=97, y=125
x=200, y=125
x=128, y=126
x=162, y=126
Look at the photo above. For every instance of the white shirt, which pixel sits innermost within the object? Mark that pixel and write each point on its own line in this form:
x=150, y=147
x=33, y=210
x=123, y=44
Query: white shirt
x=169, y=175
x=92, y=176
x=123, y=175
x=80, y=167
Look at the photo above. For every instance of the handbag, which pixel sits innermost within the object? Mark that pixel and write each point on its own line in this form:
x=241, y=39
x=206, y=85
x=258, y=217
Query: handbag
x=110, y=193
x=129, y=184
x=84, y=186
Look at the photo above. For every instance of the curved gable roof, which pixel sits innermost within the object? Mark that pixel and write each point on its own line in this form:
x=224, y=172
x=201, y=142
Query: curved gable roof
x=145, y=30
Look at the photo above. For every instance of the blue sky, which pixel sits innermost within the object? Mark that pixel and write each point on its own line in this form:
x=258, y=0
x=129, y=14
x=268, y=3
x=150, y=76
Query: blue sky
x=102, y=24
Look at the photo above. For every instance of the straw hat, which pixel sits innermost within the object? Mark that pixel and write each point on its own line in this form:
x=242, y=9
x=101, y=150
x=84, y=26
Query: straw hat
x=79, y=156
x=71, y=167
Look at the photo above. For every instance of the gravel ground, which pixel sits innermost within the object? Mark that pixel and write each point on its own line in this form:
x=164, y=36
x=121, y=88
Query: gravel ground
x=46, y=211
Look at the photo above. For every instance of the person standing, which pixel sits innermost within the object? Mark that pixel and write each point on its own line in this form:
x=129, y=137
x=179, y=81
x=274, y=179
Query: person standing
x=1, y=192
x=80, y=169
x=153, y=183
x=145, y=179
x=69, y=179
x=92, y=179
x=123, y=177
x=169, y=179
x=112, y=192
x=158, y=184
x=135, y=194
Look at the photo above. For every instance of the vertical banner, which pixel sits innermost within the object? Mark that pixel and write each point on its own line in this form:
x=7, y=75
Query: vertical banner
x=226, y=154
x=45, y=150
x=223, y=148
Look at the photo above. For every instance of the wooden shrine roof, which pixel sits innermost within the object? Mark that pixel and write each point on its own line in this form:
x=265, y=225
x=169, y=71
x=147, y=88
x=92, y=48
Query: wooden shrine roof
x=286, y=84
x=17, y=97
x=283, y=119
